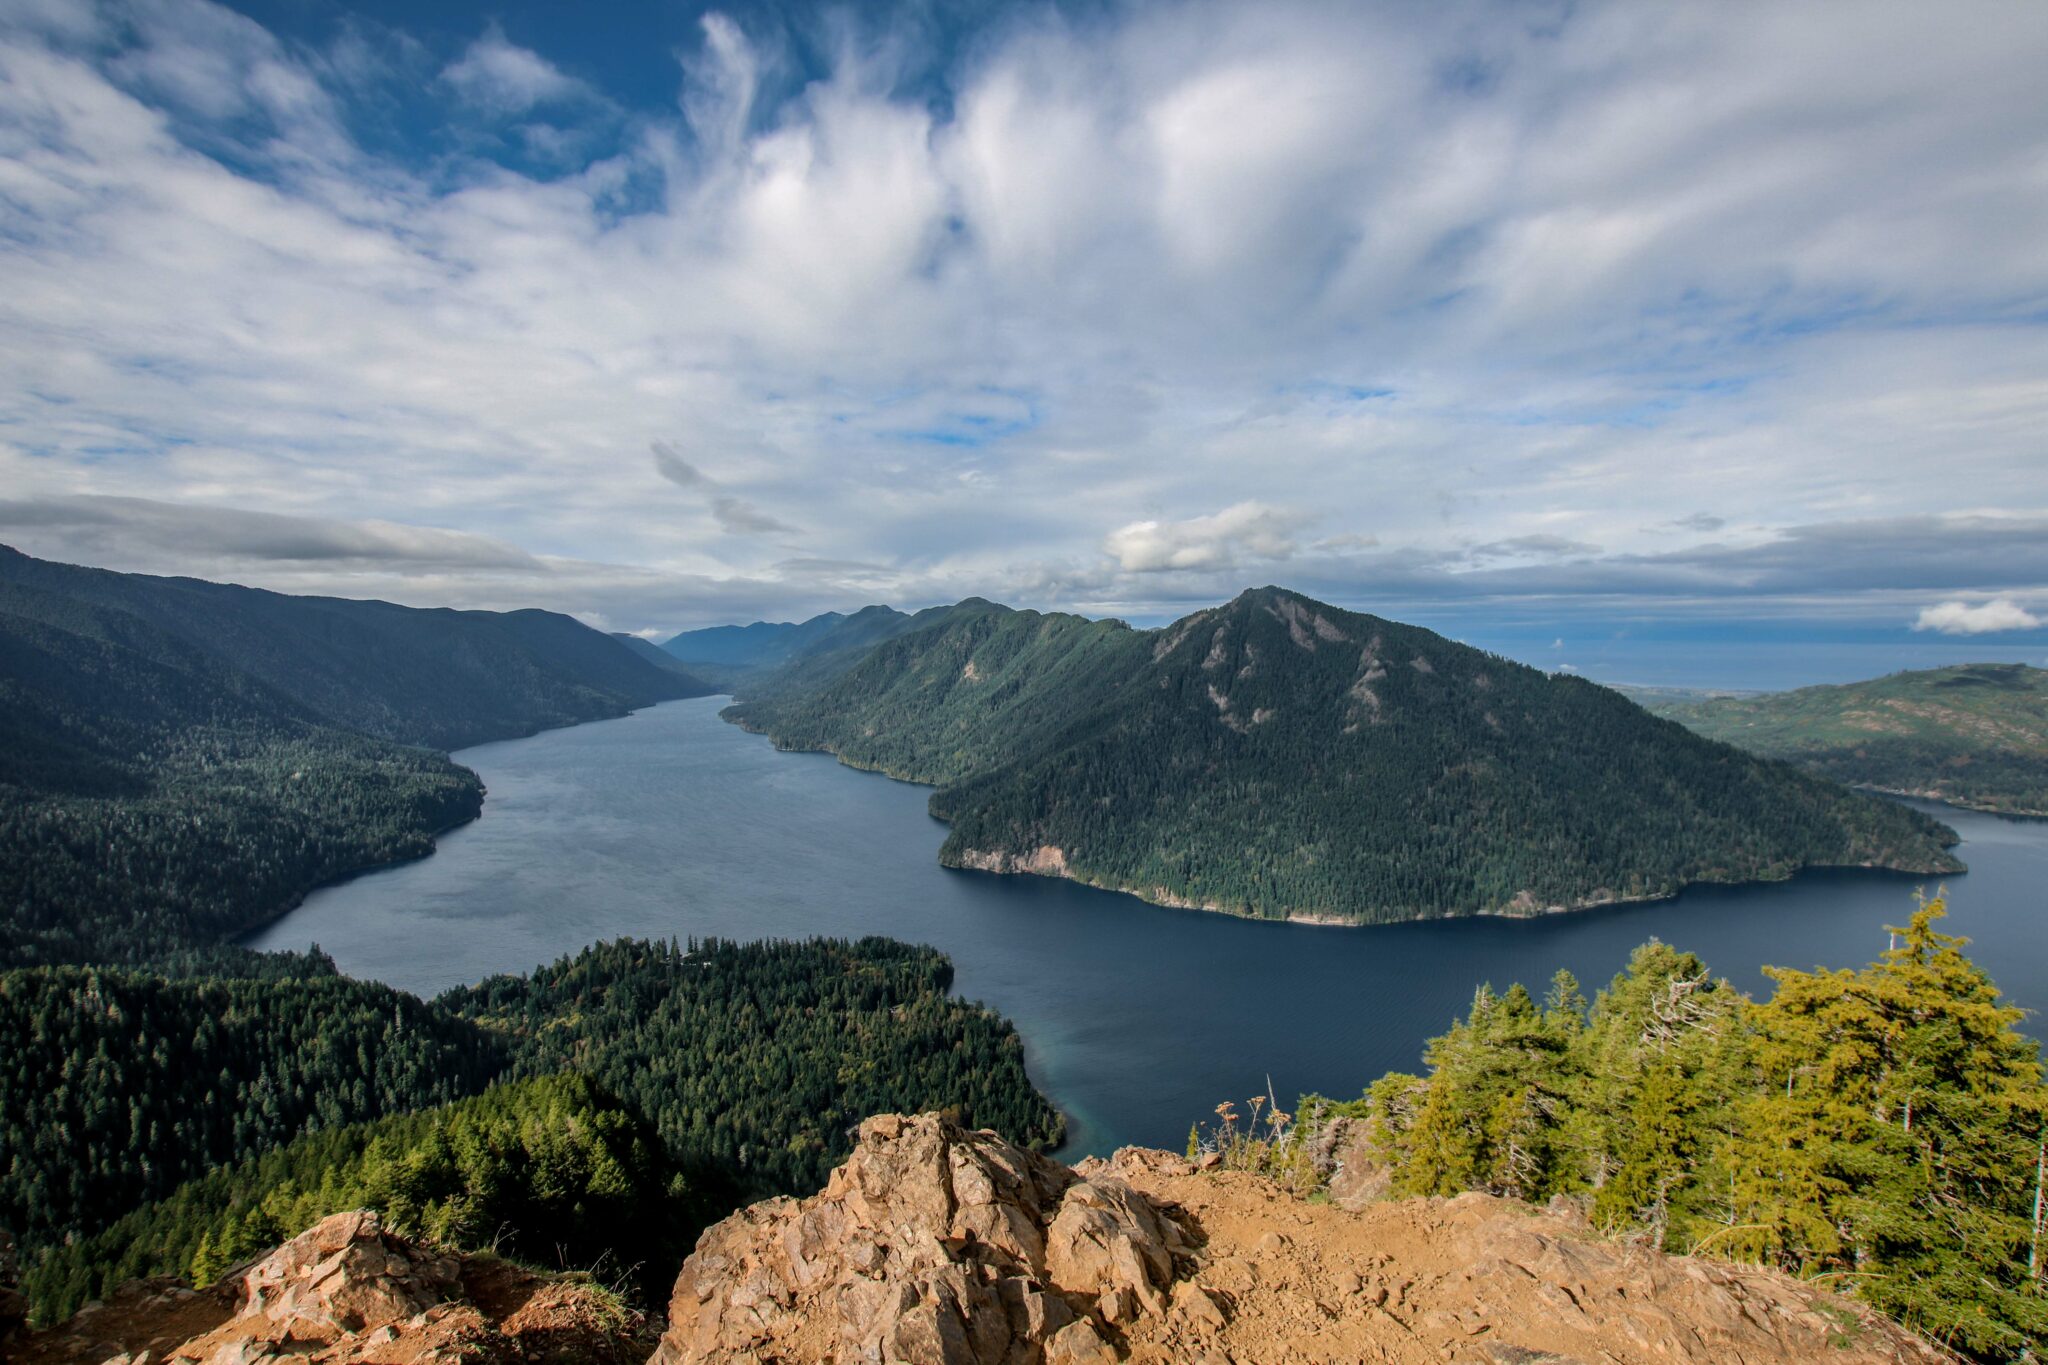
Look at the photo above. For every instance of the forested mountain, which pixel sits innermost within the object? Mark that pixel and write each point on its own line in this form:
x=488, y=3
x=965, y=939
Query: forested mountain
x=1879, y=1128
x=763, y=644
x=154, y=802
x=751, y=660
x=434, y=677
x=1973, y=734
x=181, y=761
x=1278, y=757
x=750, y=1062
x=662, y=659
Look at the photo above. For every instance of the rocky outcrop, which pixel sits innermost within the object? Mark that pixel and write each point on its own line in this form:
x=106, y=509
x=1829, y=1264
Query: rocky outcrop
x=938, y=1246
x=935, y=1245
x=349, y=1292
x=931, y=1244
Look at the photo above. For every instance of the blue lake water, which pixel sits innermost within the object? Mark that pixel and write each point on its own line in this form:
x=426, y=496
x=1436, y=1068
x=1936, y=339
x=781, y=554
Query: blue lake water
x=1137, y=1019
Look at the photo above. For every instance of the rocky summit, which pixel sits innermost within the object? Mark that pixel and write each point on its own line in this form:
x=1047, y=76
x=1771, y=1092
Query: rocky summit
x=937, y=1245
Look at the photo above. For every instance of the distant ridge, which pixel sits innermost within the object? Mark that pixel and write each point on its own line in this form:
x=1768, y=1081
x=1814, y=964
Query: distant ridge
x=431, y=676
x=1973, y=735
x=663, y=660
x=1283, y=758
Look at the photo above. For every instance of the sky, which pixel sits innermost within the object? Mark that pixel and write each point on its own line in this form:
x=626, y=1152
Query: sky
x=1689, y=343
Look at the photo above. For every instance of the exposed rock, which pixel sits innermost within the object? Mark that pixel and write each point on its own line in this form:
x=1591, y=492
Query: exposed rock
x=347, y=1292
x=346, y=1274
x=937, y=1246
x=932, y=1245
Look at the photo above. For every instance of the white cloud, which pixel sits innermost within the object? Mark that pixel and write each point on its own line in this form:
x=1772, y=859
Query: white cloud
x=1248, y=530
x=1961, y=618
x=502, y=78
x=1448, y=272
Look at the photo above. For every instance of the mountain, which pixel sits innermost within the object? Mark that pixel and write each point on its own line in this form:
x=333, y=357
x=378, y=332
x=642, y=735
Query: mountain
x=1282, y=758
x=763, y=644
x=429, y=676
x=1972, y=734
x=181, y=760
x=662, y=659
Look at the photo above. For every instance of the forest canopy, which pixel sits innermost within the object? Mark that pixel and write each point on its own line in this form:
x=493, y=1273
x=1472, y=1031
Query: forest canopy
x=1882, y=1128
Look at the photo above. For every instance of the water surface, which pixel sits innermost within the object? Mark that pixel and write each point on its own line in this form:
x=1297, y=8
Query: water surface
x=1137, y=1019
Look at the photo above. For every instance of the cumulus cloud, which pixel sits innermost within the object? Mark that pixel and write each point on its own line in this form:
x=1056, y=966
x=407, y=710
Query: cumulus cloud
x=1247, y=530
x=1470, y=277
x=502, y=78
x=1963, y=618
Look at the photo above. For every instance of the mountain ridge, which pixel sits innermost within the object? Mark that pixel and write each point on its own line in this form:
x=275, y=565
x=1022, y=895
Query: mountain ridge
x=1972, y=735
x=181, y=761
x=1388, y=772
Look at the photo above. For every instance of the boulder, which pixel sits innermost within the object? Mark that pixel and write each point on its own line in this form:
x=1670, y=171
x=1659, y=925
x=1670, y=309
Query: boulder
x=931, y=1245
x=346, y=1274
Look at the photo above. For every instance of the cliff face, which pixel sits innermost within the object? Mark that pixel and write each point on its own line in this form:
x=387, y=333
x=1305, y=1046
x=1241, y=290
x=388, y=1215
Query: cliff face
x=934, y=1245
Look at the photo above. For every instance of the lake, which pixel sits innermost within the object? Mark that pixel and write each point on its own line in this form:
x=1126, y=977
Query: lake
x=1137, y=1019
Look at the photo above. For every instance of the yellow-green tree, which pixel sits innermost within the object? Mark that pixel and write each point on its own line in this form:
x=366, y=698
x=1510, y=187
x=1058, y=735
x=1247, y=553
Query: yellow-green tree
x=1893, y=1141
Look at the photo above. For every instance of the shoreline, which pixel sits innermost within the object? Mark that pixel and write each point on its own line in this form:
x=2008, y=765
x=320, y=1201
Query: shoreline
x=1051, y=863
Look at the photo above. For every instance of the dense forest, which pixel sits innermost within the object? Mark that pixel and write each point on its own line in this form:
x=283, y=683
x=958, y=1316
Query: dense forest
x=755, y=1061
x=1973, y=735
x=181, y=761
x=749, y=1063
x=556, y=1172
x=1881, y=1128
x=117, y=1086
x=1279, y=757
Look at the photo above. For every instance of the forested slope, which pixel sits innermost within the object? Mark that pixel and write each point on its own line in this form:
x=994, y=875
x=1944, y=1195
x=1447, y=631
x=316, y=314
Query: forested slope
x=432, y=677
x=154, y=803
x=1974, y=734
x=553, y=1171
x=754, y=1061
x=1280, y=757
x=116, y=1085
x=181, y=761
x=749, y=1063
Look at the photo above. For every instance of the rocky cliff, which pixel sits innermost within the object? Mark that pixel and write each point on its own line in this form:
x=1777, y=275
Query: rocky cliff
x=935, y=1245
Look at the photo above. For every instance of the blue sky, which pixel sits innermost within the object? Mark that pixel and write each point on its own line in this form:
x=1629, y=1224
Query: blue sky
x=1673, y=343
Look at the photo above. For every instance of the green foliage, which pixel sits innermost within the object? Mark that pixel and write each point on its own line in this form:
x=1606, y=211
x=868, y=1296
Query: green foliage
x=1972, y=734
x=116, y=1086
x=555, y=1171
x=439, y=678
x=182, y=761
x=755, y=1061
x=1279, y=757
x=1881, y=1128
x=751, y=1064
